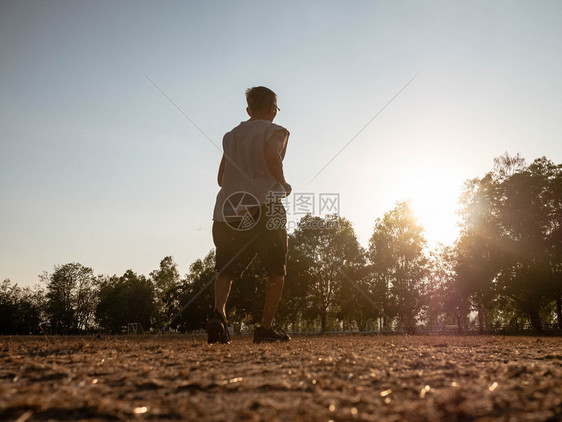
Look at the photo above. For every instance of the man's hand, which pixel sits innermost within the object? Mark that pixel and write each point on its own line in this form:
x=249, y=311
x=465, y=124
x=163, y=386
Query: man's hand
x=287, y=187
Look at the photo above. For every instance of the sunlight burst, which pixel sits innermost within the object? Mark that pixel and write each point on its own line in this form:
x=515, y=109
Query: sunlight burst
x=434, y=192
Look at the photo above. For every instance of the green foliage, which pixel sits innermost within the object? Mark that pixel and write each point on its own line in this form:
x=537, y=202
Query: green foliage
x=330, y=250
x=166, y=281
x=20, y=309
x=396, y=252
x=510, y=244
x=195, y=294
x=433, y=287
x=247, y=295
x=71, y=298
x=126, y=299
x=450, y=289
x=293, y=306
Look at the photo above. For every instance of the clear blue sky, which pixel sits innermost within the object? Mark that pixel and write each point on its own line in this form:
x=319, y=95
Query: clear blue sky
x=98, y=167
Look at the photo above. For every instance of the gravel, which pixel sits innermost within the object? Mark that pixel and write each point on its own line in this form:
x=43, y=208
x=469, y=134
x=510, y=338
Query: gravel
x=371, y=378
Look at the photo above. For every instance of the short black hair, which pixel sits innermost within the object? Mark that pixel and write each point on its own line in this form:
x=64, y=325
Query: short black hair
x=259, y=98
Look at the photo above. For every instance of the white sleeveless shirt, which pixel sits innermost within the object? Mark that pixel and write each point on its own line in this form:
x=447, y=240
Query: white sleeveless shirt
x=245, y=168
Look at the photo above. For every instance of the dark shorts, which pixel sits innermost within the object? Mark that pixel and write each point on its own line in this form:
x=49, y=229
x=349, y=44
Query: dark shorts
x=236, y=249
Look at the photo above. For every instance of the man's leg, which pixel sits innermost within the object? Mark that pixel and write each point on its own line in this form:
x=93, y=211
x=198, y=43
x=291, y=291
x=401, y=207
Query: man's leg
x=217, y=329
x=273, y=291
x=222, y=290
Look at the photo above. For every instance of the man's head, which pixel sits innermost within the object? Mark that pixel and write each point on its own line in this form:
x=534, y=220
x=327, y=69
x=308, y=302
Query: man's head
x=262, y=103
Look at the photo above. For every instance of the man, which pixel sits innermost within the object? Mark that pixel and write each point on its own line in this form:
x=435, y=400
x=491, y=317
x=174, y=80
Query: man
x=249, y=218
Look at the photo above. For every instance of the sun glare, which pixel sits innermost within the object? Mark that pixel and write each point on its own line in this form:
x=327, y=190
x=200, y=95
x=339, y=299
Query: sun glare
x=436, y=212
x=433, y=192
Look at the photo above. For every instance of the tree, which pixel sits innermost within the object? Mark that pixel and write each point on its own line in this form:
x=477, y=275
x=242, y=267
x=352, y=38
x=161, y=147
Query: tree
x=506, y=165
x=398, y=265
x=71, y=298
x=294, y=302
x=20, y=309
x=331, y=250
x=510, y=243
x=529, y=211
x=551, y=175
x=196, y=295
x=356, y=305
x=439, y=276
x=478, y=250
x=247, y=296
x=126, y=299
x=166, y=280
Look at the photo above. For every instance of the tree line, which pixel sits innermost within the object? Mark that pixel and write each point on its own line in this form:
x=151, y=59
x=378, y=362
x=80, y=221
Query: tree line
x=504, y=271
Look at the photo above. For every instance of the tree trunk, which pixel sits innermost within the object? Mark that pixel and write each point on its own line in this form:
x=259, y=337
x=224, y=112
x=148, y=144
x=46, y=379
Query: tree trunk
x=323, y=320
x=559, y=310
x=536, y=320
x=480, y=320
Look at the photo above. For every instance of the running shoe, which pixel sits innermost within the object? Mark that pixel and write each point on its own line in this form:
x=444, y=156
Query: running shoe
x=217, y=329
x=261, y=335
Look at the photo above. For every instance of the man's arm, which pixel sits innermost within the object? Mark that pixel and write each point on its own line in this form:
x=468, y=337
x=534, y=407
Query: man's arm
x=221, y=171
x=273, y=159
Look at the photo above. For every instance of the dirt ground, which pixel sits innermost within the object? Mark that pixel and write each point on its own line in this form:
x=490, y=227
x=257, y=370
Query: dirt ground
x=379, y=378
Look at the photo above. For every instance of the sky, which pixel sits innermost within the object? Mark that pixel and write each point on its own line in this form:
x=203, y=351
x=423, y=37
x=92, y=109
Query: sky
x=100, y=166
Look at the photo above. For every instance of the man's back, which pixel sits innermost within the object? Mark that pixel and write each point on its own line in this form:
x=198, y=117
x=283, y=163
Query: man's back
x=245, y=168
